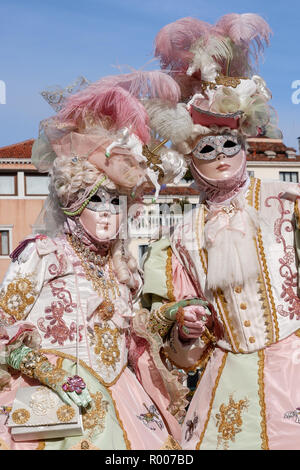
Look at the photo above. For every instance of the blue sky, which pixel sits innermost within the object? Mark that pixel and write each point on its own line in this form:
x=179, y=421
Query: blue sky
x=52, y=42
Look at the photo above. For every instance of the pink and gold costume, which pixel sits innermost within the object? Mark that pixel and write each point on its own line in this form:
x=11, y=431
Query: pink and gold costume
x=247, y=396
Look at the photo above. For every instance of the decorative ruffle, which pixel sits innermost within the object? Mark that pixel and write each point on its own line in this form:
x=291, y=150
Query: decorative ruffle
x=176, y=391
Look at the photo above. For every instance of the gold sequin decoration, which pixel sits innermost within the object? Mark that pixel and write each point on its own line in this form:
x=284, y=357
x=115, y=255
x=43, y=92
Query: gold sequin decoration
x=49, y=375
x=107, y=345
x=20, y=416
x=94, y=415
x=65, y=413
x=158, y=323
x=19, y=294
x=229, y=420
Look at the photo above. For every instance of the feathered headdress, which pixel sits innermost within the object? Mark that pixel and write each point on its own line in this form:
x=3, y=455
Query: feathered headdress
x=215, y=67
x=110, y=117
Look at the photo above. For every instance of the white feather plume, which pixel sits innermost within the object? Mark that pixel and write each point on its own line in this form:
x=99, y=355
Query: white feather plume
x=208, y=56
x=169, y=122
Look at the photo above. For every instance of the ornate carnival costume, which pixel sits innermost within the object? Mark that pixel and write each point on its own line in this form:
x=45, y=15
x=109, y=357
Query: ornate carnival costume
x=67, y=301
x=234, y=255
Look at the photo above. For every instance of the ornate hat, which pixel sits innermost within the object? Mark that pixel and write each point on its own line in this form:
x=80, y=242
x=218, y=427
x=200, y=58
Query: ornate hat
x=215, y=67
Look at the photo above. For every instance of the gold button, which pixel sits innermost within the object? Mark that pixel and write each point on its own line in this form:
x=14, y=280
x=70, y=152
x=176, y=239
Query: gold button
x=238, y=289
x=251, y=339
x=247, y=323
x=243, y=306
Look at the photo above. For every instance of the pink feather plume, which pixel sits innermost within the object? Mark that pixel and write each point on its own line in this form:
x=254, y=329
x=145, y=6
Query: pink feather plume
x=173, y=42
x=103, y=101
x=146, y=84
x=245, y=30
x=117, y=96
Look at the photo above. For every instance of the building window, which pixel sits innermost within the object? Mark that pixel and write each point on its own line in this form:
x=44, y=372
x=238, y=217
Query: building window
x=142, y=253
x=36, y=185
x=4, y=243
x=8, y=184
x=289, y=176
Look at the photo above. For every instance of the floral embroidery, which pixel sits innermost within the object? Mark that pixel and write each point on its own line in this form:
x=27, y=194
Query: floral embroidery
x=287, y=262
x=191, y=427
x=229, y=420
x=19, y=294
x=94, y=415
x=293, y=414
x=42, y=401
x=107, y=345
x=151, y=419
x=58, y=329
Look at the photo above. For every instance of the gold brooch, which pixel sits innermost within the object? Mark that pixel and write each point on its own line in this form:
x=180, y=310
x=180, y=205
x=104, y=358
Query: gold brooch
x=20, y=416
x=65, y=413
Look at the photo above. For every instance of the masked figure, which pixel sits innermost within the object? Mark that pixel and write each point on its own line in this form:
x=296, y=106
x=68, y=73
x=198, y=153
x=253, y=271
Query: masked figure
x=67, y=300
x=224, y=287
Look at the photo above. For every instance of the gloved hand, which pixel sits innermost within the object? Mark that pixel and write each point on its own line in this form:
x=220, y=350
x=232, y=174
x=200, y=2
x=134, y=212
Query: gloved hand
x=192, y=321
x=36, y=365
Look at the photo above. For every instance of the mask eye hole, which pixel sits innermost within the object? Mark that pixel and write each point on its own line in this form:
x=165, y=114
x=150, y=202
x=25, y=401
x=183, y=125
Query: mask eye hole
x=229, y=144
x=95, y=198
x=207, y=149
x=115, y=201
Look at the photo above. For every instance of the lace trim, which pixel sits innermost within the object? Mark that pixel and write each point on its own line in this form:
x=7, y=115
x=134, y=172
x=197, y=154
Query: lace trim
x=176, y=391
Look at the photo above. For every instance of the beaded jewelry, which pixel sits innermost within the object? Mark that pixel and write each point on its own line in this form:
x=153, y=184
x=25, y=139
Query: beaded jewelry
x=83, y=206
